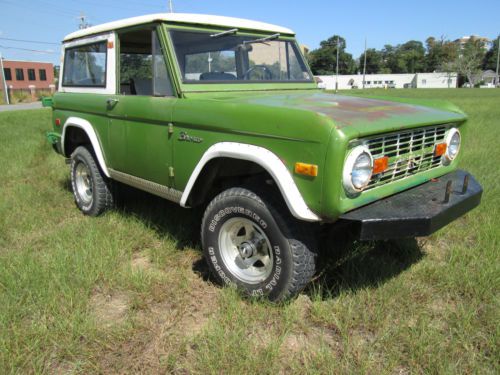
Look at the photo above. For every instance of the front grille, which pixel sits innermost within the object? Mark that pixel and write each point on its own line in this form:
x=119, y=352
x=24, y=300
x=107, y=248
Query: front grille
x=409, y=152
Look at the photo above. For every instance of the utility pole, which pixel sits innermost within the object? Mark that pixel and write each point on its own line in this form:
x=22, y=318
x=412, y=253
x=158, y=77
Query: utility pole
x=170, y=6
x=337, y=81
x=498, y=59
x=4, y=81
x=364, y=68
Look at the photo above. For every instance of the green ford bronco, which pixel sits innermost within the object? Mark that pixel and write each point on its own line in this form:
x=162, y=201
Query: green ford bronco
x=224, y=113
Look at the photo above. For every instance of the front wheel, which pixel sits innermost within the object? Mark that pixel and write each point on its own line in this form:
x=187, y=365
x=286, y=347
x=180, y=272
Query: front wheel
x=253, y=243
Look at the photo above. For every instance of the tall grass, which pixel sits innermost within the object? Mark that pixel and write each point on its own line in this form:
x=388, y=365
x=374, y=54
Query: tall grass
x=128, y=292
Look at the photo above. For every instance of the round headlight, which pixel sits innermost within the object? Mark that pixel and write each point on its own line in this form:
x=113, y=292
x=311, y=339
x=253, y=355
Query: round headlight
x=453, y=140
x=357, y=170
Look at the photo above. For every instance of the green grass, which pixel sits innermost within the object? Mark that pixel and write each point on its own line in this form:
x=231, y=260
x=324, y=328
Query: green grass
x=128, y=292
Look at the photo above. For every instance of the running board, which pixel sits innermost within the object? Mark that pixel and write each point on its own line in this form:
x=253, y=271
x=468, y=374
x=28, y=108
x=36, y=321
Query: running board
x=148, y=186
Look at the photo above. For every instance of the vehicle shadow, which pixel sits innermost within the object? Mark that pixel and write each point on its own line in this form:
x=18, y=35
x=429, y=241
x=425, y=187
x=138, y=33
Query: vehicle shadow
x=343, y=264
x=346, y=264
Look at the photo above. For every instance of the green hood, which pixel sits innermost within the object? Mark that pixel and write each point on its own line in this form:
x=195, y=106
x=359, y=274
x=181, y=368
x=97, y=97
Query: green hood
x=353, y=113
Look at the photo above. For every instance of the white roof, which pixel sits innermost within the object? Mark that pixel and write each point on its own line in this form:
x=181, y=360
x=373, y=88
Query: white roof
x=199, y=19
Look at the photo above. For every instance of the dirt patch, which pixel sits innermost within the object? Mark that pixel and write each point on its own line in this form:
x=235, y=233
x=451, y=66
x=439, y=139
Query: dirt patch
x=141, y=263
x=110, y=308
x=303, y=304
x=62, y=368
x=168, y=324
x=310, y=340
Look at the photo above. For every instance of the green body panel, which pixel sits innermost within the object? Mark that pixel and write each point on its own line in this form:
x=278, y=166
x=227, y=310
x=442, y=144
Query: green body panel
x=91, y=107
x=141, y=145
x=295, y=121
x=293, y=135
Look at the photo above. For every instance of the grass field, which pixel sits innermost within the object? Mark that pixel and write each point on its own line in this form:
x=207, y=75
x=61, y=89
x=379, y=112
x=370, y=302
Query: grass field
x=129, y=292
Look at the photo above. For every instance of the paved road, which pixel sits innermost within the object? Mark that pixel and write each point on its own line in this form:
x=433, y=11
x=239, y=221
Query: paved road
x=17, y=107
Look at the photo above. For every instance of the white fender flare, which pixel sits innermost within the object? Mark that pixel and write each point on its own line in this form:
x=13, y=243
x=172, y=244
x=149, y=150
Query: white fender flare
x=267, y=160
x=87, y=128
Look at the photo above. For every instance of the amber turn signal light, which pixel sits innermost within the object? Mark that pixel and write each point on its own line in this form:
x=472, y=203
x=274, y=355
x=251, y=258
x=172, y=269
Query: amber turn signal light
x=306, y=169
x=440, y=149
x=380, y=165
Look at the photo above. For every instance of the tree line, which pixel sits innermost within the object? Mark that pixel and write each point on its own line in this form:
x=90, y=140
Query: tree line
x=437, y=55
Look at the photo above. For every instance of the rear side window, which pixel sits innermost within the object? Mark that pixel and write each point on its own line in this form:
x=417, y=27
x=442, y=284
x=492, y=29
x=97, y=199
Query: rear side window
x=85, y=66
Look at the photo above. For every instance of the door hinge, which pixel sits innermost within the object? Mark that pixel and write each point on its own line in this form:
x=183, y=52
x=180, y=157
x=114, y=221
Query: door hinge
x=171, y=171
x=170, y=128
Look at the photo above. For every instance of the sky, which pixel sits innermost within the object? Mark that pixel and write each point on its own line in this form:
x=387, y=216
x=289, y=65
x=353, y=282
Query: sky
x=380, y=22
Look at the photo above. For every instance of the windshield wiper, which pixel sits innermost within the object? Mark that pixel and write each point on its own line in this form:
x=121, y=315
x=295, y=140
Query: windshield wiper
x=227, y=32
x=263, y=40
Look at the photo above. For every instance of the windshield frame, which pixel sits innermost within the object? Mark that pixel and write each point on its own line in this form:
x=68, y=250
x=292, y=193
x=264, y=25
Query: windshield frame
x=195, y=85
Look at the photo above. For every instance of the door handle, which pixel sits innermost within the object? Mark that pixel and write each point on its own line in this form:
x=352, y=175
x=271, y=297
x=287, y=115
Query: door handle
x=111, y=102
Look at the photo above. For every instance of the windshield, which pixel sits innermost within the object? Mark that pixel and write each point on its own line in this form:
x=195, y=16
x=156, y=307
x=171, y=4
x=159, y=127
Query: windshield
x=205, y=57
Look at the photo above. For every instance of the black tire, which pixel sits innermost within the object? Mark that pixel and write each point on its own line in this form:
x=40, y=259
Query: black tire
x=291, y=243
x=98, y=197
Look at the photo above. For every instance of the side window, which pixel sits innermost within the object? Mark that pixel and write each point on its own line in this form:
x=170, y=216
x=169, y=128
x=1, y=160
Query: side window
x=142, y=66
x=85, y=66
x=161, y=81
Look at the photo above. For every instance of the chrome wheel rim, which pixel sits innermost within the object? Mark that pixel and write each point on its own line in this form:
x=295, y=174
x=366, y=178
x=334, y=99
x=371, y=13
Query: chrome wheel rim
x=83, y=183
x=246, y=250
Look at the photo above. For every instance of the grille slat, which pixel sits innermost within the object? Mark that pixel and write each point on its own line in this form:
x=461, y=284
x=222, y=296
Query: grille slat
x=409, y=152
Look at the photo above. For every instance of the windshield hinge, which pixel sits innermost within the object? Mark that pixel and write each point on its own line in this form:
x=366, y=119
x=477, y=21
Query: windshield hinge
x=171, y=172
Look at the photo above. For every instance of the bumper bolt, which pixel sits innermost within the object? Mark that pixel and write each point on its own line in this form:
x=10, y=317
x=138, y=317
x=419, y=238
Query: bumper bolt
x=448, y=192
x=466, y=184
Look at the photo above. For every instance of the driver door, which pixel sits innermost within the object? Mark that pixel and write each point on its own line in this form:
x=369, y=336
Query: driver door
x=139, y=116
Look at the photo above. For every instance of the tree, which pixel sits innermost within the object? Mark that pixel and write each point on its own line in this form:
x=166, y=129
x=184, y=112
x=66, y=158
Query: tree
x=412, y=53
x=490, y=59
x=439, y=53
x=374, y=61
x=391, y=59
x=323, y=60
x=469, y=60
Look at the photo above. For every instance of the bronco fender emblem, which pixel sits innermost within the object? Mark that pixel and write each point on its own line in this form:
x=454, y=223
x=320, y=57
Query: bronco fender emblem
x=185, y=137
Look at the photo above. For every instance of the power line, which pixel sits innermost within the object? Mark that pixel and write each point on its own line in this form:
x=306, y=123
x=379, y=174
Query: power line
x=49, y=52
x=29, y=41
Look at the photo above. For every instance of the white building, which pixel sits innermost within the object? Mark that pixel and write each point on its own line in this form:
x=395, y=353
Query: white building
x=398, y=81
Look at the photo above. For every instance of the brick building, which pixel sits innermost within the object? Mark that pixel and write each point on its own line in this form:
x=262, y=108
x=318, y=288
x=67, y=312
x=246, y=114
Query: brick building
x=29, y=76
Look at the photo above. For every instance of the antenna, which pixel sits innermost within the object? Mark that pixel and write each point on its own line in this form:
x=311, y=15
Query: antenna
x=170, y=6
x=83, y=21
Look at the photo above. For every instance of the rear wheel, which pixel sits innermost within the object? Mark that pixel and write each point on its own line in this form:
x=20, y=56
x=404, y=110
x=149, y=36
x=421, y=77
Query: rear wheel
x=91, y=188
x=252, y=242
